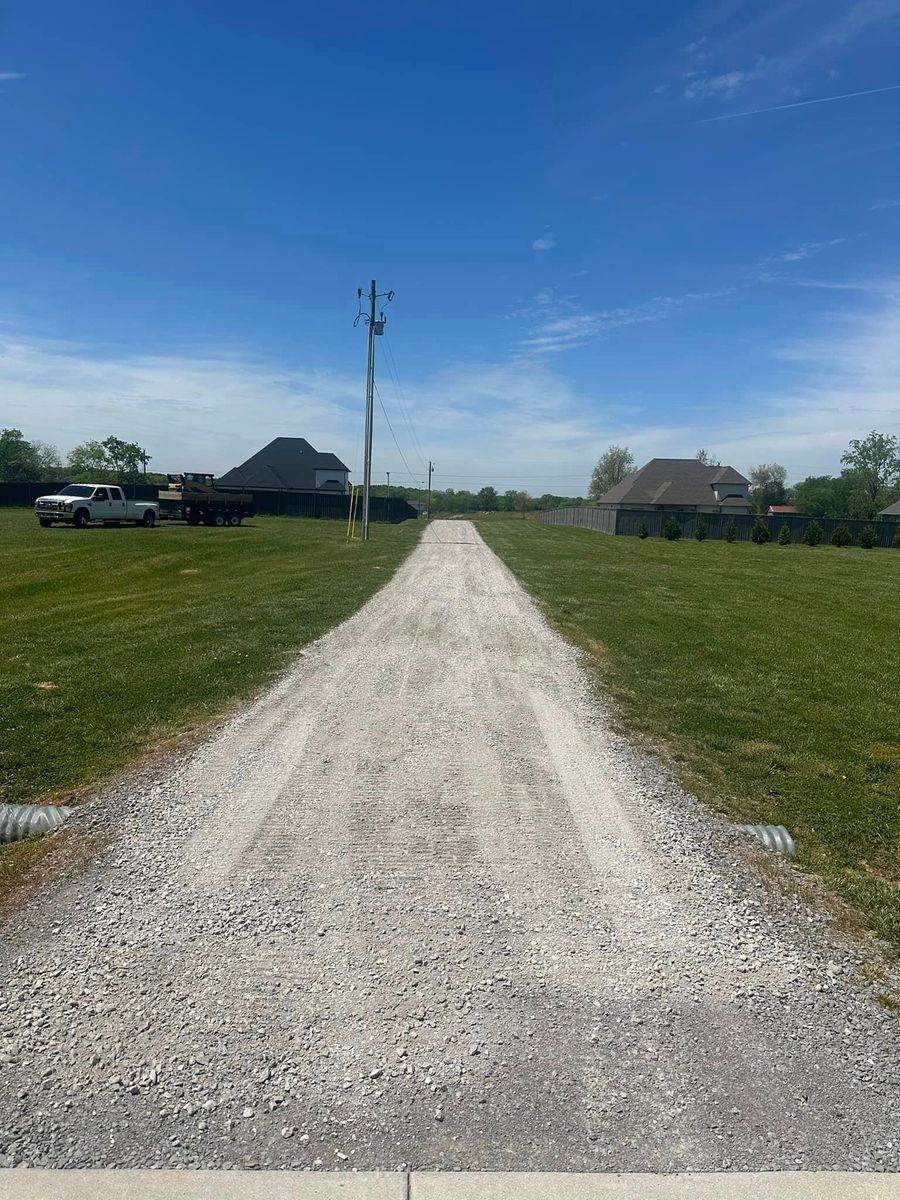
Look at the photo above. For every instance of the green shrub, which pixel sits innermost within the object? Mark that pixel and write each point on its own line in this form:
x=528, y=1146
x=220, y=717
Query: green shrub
x=731, y=531
x=812, y=534
x=643, y=531
x=760, y=532
x=671, y=530
x=700, y=529
x=867, y=537
x=784, y=536
x=841, y=536
x=895, y=540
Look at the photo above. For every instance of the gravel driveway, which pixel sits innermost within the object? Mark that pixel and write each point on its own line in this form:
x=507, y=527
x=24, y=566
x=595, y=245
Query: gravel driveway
x=420, y=906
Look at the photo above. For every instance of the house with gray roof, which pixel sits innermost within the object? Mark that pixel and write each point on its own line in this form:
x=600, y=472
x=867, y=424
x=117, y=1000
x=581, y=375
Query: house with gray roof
x=289, y=464
x=684, y=484
x=892, y=512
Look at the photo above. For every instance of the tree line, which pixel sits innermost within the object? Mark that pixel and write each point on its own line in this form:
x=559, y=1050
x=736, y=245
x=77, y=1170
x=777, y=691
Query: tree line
x=868, y=481
x=110, y=461
x=487, y=499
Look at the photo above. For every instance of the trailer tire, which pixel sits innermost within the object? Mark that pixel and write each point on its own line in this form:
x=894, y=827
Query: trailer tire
x=44, y=522
x=218, y=520
x=148, y=520
x=234, y=519
x=80, y=519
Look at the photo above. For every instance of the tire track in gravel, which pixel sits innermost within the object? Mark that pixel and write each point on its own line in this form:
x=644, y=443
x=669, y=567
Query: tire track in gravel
x=418, y=905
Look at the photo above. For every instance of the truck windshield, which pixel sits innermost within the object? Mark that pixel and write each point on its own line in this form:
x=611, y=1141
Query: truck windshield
x=76, y=489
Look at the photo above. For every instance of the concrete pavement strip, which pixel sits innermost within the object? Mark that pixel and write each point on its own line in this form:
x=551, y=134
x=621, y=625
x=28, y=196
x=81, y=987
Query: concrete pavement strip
x=725, y=1185
x=38, y=1184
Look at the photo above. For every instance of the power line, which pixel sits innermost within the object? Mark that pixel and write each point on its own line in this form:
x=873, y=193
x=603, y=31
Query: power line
x=403, y=403
x=394, y=436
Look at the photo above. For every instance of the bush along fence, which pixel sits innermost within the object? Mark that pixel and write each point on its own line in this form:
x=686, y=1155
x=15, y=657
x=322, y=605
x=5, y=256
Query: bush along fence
x=326, y=505
x=651, y=522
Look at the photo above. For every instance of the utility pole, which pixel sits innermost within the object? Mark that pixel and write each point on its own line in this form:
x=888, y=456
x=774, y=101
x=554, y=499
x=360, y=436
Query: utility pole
x=375, y=328
x=389, y=480
x=370, y=412
x=428, y=505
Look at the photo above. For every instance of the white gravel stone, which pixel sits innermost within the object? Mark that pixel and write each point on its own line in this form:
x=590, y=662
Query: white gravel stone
x=425, y=863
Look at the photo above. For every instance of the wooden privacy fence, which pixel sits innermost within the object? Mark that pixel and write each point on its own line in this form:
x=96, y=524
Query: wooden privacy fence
x=328, y=505
x=627, y=523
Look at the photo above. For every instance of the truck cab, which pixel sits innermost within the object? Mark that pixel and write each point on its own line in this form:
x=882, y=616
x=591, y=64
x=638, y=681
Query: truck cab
x=79, y=504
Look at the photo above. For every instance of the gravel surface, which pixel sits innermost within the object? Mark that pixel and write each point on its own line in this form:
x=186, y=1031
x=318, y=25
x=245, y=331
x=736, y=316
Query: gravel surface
x=420, y=906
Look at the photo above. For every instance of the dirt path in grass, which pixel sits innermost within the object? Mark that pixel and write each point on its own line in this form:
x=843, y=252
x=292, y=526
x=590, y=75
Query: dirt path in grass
x=420, y=906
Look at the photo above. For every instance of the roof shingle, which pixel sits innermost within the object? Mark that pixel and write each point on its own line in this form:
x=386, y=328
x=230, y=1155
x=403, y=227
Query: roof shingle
x=664, y=481
x=287, y=462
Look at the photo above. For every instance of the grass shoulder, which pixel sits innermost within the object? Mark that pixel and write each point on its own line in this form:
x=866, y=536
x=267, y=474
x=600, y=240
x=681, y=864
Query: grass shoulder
x=770, y=675
x=115, y=640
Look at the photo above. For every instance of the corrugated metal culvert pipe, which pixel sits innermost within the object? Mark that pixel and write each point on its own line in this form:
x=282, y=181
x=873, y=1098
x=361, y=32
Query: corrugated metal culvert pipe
x=773, y=837
x=20, y=821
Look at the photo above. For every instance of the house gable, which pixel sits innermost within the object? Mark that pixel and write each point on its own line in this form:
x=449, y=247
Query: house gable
x=289, y=464
x=680, y=482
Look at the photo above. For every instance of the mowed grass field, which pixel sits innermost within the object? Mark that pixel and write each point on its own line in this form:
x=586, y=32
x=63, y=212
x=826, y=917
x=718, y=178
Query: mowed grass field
x=113, y=640
x=771, y=674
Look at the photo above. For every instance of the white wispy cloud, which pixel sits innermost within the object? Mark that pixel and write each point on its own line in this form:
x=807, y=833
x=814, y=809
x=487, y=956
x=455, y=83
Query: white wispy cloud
x=192, y=407
x=755, y=112
x=519, y=418
x=215, y=408
x=722, y=87
x=545, y=242
x=6, y=76
x=801, y=252
x=842, y=381
x=856, y=19
x=792, y=47
x=559, y=323
x=845, y=382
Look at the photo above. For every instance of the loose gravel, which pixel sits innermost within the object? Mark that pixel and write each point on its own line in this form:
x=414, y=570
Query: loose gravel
x=420, y=905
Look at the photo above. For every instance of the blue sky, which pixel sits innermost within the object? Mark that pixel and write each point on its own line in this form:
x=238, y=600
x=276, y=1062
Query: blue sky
x=587, y=240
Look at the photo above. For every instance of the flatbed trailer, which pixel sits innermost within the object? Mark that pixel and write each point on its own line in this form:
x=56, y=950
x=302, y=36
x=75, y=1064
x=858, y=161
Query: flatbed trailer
x=194, y=498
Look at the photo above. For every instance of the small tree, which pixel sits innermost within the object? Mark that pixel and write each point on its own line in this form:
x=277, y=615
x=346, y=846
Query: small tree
x=18, y=458
x=867, y=537
x=643, y=531
x=612, y=467
x=784, y=536
x=731, y=531
x=812, y=534
x=671, y=530
x=876, y=459
x=760, y=532
x=841, y=536
x=768, y=485
x=700, y=529
x=488, y=499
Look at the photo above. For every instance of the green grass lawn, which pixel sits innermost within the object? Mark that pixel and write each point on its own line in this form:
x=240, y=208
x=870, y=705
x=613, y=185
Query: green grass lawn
x=770, y=673
x=114, y=640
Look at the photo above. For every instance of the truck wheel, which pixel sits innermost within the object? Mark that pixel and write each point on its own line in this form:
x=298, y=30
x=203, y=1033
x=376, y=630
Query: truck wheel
x=80, y=519
x=219, y=520
x=234, y=519
x=148, y=520
x=44, y=522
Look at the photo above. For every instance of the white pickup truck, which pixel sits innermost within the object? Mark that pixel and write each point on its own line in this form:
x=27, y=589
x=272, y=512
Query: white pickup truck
x=79, y=504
